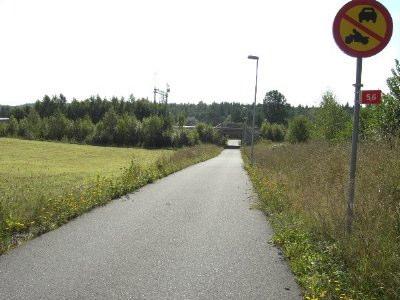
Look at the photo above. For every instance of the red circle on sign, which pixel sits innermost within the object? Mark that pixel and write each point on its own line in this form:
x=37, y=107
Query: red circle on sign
x=340, y=16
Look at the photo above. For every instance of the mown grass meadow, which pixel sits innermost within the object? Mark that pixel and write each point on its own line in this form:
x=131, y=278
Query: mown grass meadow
x=51, y=167
x=45, y=184
x=303, y=190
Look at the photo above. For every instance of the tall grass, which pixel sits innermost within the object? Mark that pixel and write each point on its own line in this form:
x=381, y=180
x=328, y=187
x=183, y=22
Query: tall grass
x=303, y=188
x=38, y=211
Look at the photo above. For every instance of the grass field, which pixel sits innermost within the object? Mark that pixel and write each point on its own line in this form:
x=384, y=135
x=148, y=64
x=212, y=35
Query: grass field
x=50, y=168
x=302, y=188
x=43, y=185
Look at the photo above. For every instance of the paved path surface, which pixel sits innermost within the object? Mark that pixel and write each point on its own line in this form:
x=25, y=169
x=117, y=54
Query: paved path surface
x=190, y=235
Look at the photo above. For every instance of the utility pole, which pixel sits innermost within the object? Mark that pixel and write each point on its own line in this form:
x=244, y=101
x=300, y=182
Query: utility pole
x=254, y=109
x=166, y=100
x=164, y=96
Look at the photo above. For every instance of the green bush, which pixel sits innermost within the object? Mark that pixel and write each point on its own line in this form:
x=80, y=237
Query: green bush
x=3, y=129
x=12, y=126
x=181, y=138
x=152, y=132
x=206, y=132
x=128, y=131
x=44, y=129
x=389, y=117
x=167, y=138
x=185, y=138
x=299, y=130
x=100, y=137
x=266, y=131
x=59, y=127
x=278, y=132
x=82, y=130
x=33, y=126
x=333, y=122
x=219, y=139
x=106, y=129
x=168, y=122
x=193, y=137
x=272, y=132
x=24, y=130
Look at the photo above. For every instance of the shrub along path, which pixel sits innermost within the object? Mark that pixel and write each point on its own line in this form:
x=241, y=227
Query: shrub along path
x=190, y=235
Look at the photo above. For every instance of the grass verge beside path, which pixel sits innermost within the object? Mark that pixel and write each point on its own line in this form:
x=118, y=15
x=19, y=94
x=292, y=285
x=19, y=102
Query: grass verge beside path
x=302, y=189
x=47, y=184
x=50, y=168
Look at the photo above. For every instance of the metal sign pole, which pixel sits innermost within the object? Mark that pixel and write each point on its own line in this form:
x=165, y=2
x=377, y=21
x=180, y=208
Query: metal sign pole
x=353, y=161
x=355, y=41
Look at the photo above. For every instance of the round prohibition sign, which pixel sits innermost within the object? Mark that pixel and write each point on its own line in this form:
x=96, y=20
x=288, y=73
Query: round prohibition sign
x=362, y=28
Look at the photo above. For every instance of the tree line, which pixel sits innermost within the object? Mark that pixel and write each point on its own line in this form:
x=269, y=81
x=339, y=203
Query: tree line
x=98, y=121
x=215, y=113
x=131, y=121
x=333, y=122
x=124, y=122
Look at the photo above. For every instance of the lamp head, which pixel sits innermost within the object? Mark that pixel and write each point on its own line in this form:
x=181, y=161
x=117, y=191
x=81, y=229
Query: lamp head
x=252, y=57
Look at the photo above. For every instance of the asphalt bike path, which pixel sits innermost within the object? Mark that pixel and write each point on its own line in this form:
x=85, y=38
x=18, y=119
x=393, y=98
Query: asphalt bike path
x=191, y=235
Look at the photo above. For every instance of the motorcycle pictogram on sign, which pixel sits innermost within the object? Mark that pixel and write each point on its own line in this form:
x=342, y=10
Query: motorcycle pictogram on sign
x=356, y=37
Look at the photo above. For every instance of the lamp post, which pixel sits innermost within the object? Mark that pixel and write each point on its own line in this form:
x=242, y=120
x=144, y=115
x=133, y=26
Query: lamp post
x=254, y=109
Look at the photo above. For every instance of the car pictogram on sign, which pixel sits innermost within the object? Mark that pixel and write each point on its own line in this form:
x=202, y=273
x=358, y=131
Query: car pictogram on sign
x=367, y=14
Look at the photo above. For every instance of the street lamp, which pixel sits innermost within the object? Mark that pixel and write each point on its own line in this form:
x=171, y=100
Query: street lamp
x=254, y=109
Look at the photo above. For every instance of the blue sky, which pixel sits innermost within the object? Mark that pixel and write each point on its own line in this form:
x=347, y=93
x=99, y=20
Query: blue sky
x=118, y=47
x=394, y=7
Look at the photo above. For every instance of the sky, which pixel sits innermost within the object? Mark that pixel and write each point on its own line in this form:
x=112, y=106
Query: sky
x=120, y=47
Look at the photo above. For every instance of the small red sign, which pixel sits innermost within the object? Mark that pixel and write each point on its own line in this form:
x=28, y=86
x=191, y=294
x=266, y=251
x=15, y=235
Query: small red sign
x=371, y=97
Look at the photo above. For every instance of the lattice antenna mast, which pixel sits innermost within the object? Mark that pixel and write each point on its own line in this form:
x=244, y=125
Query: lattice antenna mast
x=163, y=94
